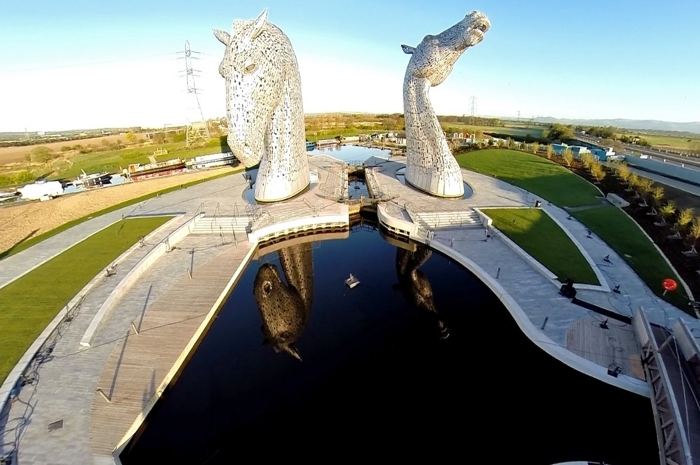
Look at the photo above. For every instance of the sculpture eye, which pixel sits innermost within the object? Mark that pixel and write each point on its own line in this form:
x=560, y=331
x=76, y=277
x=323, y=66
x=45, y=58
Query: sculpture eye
x=250, y=68
x=267, y=287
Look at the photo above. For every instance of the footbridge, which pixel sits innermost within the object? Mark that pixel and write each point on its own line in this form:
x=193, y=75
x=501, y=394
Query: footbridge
x=671, y=361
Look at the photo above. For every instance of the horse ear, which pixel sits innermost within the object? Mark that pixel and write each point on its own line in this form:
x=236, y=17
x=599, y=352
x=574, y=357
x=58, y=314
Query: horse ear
x=408, y=49
x=259, y=23
x=223, y=36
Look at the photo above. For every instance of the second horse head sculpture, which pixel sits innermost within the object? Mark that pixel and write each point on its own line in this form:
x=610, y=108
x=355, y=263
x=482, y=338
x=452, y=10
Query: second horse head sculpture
x=264, y=107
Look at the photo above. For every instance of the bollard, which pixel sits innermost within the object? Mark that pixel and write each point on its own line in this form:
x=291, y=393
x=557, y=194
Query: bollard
x=498, y=272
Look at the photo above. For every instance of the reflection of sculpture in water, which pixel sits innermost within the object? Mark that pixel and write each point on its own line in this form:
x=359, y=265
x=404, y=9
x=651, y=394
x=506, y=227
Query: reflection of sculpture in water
x=285, y=307
x=416, y=284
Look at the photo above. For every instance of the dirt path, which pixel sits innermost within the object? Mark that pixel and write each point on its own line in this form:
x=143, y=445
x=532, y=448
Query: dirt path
x=29, y=219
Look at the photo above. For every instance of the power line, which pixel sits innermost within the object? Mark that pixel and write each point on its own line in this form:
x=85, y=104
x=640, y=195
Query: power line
x=197, y=132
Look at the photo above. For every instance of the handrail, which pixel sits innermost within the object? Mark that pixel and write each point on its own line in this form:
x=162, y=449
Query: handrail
x=678, y=429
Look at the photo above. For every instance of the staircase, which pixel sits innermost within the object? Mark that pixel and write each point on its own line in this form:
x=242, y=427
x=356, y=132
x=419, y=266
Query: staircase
x=446, y=219
x=221, y=225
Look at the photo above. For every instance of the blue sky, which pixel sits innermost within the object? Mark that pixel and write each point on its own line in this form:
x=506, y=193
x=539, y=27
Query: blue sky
x=90, y=64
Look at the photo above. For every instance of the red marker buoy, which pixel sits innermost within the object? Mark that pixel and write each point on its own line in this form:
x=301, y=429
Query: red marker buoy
x=669, y=285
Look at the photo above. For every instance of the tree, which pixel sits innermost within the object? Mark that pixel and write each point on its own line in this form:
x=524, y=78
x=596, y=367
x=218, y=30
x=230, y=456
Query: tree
x=130, y=137
x=657, y=193
x=40, y=154
x=623, y=172
x=535, y=147
x=550, y=151
x=568, y=156
x=587, y=159
x=645, y=186
x=668, y=210
x=694, y=233
x=634, y=181
x=598, y=172
x=685, y=217
x=560, y=132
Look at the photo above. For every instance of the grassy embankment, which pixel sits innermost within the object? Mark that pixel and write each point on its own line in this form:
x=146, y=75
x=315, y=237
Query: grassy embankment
x=36, y=239
x=70, y=164
x=536, y=233
x=682, y=143
x=564, y=189
x=31, y=302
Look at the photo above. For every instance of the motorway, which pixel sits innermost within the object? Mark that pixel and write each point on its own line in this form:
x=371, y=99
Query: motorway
x=674, y=158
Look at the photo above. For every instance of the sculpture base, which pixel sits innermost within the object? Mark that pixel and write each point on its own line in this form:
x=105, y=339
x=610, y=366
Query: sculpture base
x=266, y=195
x=299, y=192
x=448, y=185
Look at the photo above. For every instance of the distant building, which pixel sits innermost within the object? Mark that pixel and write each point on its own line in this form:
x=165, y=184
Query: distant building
x=41, y=190
x=602, y=154
x=210, y=161
x=138, y=172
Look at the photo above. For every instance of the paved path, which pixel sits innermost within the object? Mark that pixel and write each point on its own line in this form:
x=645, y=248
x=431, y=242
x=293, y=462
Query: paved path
x=538, y=297
x=60, y=418
x=141, y=362
x=66, y=383
x=205, y=195
x=634, y=292
x=166, y=306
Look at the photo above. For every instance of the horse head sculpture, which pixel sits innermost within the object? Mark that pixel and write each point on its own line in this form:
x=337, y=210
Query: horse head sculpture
x=430, y=165
x=264, y=107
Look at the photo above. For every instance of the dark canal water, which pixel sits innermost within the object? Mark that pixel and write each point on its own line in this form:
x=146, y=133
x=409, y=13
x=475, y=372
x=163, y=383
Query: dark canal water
x=419, y=360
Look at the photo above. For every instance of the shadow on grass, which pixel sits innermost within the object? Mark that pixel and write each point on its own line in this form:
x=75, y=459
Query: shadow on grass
x=8, y=252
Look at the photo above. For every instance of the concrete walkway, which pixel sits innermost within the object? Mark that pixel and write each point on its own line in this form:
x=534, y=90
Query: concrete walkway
x=204, y=196
x=553, y=319
x=65, y=384
x=634, y=293
x=61, y=419
x=83, y=401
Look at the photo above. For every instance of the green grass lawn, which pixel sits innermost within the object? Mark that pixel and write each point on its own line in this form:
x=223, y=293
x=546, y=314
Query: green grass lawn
x=564, y=189
x=669, y=142
x=104, y=159
x=536, y=233
x=36, y=239
x=623, y=235
x=533, y=173
x=114, y=161
x=30, y=303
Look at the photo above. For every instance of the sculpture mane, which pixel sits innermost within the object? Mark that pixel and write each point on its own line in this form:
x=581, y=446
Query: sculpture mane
x=264, y=107
x=430, y=165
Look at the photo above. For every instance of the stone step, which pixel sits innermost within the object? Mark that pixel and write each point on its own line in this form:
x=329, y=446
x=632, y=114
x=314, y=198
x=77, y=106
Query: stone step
x=221, y=225
x=447, y=219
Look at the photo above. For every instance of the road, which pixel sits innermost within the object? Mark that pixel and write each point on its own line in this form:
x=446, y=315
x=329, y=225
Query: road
x=675, y=158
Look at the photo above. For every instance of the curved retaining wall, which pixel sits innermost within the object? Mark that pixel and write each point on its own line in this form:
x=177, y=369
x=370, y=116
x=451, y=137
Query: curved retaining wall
x=13, y=377
x=537, y=337
x=295, y=225
x=130, y=279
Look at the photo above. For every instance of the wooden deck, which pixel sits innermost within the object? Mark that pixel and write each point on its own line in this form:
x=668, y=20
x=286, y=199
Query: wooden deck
x=140, y=366
x=615, y=346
